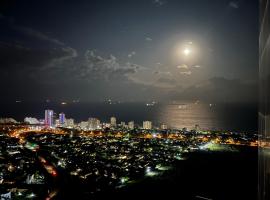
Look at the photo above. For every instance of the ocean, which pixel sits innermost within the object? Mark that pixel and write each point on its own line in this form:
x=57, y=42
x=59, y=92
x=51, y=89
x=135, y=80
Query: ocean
x=229, y=117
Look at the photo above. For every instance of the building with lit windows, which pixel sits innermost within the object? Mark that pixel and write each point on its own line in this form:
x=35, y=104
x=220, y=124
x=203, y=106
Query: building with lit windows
x=31, y=120
x=123, y=124
x=57, y=123
x=147, y=125
x=83, y=125
x=131, y=125
x=69, y=123
x=93, y=124
x=113, y=122
x=163, y=126
x=62, y=118
x=48, y=120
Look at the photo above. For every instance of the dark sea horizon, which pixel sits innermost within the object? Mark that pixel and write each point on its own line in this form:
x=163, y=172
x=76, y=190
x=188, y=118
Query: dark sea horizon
x=225, y=116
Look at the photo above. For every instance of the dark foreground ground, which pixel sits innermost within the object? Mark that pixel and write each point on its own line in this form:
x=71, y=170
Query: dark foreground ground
x=204, y=175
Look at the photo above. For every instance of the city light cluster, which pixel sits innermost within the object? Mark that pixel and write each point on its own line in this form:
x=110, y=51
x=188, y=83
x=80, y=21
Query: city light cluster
x=52, y=120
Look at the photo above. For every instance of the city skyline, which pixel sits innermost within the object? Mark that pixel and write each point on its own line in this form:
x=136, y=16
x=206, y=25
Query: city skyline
x=93, y=123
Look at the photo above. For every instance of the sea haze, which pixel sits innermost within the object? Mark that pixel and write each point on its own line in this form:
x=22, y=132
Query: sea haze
x=233, y=117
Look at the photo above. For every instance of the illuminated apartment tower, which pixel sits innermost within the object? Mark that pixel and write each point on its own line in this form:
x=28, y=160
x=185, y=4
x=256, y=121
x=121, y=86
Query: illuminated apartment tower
x=62, y=118
x=113, y=121
x=131, y=125
x=147, y=125
x=163, y=127
x=123, y=124
x=48, y=121
x=93, y=124
x=69, y=123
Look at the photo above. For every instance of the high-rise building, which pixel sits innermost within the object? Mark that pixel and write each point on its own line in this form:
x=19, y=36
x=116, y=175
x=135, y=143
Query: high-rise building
x=147, y=125
x=7, y=121
x=83, y=125
x=57, y=123
x=163, y=127
x=99, y=125
x=31, y=120
x=93, y=124
x=62, y=118
x=123, y=124
x=131, y=125
x=113, y=121
x=69, y=123
x=106, y=125
x=48, y=121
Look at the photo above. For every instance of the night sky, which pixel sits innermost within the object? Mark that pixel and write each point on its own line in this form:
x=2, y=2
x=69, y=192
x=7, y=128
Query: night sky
x=129, y=50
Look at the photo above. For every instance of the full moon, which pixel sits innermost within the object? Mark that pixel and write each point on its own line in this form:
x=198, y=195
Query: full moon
x=187, y=51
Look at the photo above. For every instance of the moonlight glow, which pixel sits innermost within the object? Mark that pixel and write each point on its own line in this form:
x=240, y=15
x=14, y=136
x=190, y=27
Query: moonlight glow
x=187, y=51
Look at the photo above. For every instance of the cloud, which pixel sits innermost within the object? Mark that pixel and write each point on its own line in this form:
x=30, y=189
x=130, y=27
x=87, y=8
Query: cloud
x=26, y=69
x=234, y=4
x=169, y=81
x=162, y=73
x=135, y=66
x=13, y=56
x=159, y=83
x=68, y=54
x=37, y=34
x=97, y=67
x=183, y=66
x=159, y=2
x=49, y=67
x=133, y=53
x=140, y=81
x=48, y=53
x=148, y=39
x=186, y=73
x=28, y=31
x=63, y=64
